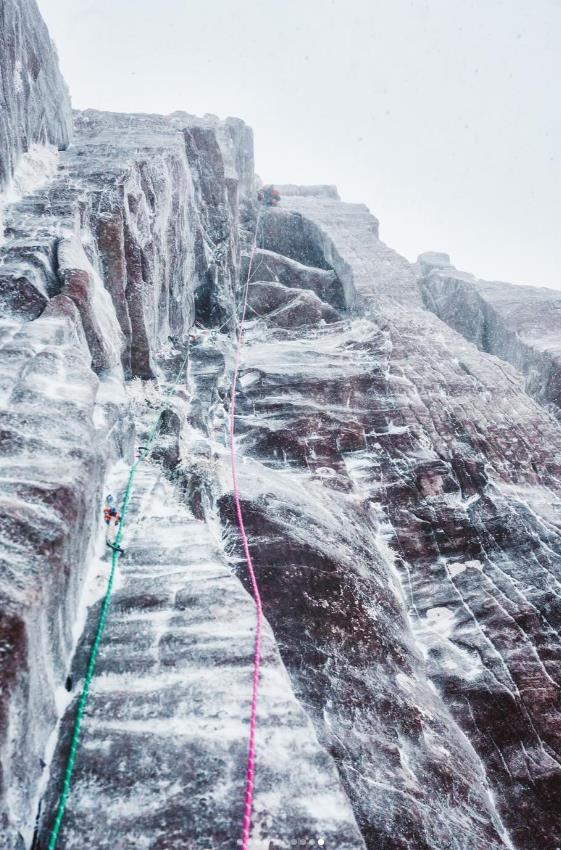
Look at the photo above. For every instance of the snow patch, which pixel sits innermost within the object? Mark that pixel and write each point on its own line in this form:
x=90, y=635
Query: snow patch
x=248, y=379
x=33, y=171
x=397, y=429
x=18, y=76
x=406, y=683
x=456, y=568
x=440, y=620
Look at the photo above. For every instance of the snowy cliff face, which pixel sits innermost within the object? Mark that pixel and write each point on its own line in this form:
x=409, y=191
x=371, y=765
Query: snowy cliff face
x=35, y=102
x=134, y=235
x=438, y=460
x=519, y=324
x=400, y=481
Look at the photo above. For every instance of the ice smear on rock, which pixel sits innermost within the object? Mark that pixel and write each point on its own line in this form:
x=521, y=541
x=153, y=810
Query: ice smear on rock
x=35, y=104
x=33, y=170
x=519, y=324
x=163, y=748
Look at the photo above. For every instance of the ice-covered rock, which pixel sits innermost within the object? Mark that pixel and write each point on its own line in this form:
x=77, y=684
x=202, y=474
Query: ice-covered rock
x=99, y=266
x=269, y=266
x=519, y=324
x=162, y=761
x=319, y=191
x=287, y=307
x=311, y=416
x=431, y=260
x=83, y=286
x=35, y=101
x=459, y=465
x=400, y=487
x=52, y=465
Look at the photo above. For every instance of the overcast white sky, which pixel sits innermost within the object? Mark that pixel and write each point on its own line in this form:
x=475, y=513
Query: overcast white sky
x=442, y=115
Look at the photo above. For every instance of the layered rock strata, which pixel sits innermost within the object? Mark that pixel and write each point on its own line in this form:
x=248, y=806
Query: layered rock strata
x=162, y=758
x=461, y=470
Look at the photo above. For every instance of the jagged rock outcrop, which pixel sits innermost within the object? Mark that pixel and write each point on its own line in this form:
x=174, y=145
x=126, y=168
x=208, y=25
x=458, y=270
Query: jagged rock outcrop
x=400, y=486
x=519, y=324
x=35, y=105
x=269, y=266
x=286, y=307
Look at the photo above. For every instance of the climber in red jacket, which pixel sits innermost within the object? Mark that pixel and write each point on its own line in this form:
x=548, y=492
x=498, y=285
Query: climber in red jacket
x=269, y=196
x=112, y=519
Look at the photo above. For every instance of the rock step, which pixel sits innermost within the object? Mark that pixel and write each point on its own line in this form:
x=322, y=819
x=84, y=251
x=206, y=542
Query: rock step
x=286, y=307
x=279, y=268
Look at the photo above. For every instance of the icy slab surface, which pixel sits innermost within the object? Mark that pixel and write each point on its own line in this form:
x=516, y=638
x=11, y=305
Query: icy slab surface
x=155, y=204
x=334, y=601
x=162, y=759
x=320, y=191
x=433, y=260
x=401, y=491
x=348, y=243
x=309, y=399
x=33, y=171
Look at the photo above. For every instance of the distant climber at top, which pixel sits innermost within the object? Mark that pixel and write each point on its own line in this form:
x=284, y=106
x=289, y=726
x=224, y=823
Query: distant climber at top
x=269, y=196
x=112, y=519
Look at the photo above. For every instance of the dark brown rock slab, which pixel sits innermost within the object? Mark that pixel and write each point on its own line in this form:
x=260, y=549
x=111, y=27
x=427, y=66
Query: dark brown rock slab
x=22, y=292
x=269, y=266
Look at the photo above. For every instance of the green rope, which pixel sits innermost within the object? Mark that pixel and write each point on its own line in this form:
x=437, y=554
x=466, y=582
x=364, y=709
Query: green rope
x=63, y=799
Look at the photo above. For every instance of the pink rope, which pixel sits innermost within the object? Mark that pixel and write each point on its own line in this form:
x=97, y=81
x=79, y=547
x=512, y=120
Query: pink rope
x=248, y=802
